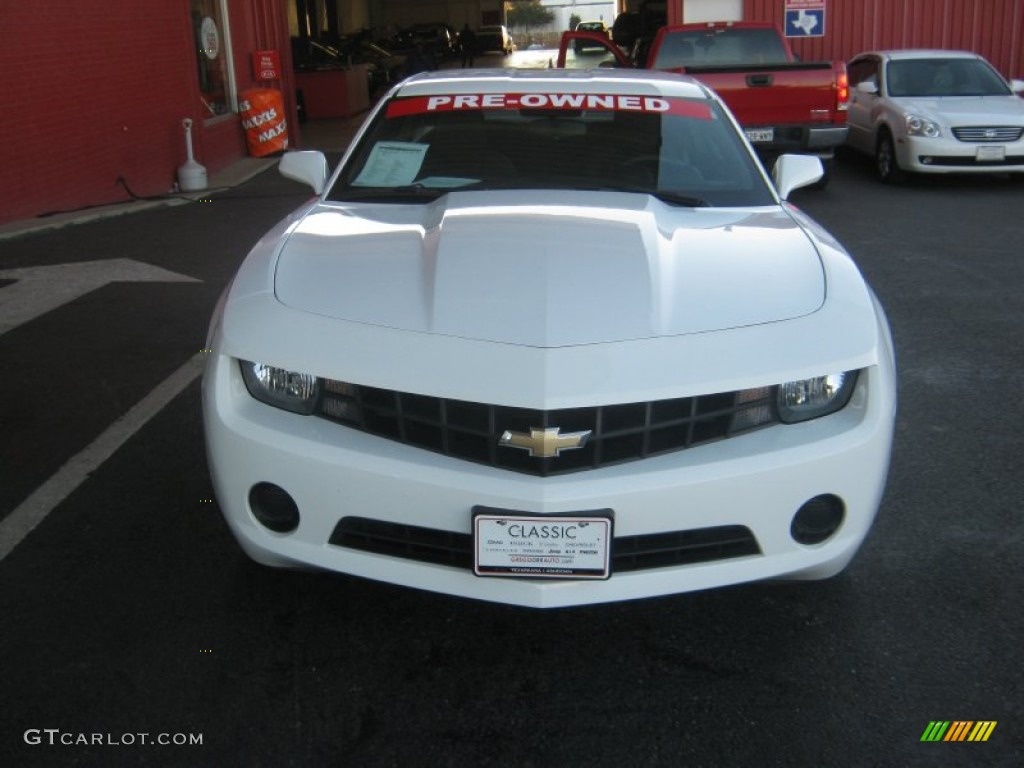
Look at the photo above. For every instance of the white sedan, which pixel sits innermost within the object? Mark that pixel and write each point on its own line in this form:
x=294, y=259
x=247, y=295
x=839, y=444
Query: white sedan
x=550, y=338
x=929, y=111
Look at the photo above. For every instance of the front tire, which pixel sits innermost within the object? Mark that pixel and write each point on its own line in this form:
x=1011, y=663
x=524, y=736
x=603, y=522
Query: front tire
x=886, y=165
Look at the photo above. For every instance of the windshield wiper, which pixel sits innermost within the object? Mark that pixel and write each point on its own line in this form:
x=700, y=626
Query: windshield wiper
x=414, y=193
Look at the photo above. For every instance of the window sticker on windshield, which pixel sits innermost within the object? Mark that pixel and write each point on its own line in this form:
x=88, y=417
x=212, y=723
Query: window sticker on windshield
x=392, y=164
x=597, y=102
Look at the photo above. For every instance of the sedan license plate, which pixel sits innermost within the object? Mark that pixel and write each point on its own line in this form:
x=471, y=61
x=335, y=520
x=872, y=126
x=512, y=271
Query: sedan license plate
x=757, y=135
x=569, y=546
x=990, y=154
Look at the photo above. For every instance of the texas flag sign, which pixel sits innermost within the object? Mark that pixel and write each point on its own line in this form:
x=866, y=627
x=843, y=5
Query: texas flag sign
x=805, y=18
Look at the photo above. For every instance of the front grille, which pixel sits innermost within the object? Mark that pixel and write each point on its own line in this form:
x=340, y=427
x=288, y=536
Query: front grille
x=409, y=542
x=701, y=545
x=969, y=161
x=618, y=433
x=629, y=553
x=996, y=134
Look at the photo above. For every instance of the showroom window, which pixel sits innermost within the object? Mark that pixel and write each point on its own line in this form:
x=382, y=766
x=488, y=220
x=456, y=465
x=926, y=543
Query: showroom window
x=213, y=54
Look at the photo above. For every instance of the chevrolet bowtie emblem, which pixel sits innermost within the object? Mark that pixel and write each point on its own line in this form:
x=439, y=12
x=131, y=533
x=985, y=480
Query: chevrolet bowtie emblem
x=544, y=443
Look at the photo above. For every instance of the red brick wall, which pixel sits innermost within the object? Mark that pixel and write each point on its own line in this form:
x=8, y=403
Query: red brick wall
x=98, y=88
x=95, y=91
x=993, y=28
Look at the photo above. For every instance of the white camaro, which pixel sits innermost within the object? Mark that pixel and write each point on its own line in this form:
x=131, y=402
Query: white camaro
x=550, y=338
x=934, y=112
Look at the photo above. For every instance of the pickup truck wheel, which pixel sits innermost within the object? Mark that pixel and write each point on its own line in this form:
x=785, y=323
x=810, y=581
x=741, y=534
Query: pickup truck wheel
x=886, y=164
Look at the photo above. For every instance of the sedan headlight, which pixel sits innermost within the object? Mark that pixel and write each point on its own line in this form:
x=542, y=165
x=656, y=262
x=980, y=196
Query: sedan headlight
x=290, y=390
x=810, y=398
x=920, y=126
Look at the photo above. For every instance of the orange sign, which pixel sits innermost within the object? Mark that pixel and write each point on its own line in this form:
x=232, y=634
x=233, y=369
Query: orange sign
x=262, y=113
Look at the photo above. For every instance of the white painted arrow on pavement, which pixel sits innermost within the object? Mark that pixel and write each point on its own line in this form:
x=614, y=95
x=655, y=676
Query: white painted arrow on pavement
x=42, y=289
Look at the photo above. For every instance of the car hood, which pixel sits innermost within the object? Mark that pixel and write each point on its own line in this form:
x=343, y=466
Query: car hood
x=968, y=110
x=564, y=269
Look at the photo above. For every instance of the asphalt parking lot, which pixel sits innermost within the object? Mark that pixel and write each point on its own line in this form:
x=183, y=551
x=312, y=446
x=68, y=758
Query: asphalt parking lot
x=129, y=613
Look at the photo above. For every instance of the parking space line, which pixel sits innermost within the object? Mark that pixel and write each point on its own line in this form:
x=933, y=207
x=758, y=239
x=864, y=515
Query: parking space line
x=60, y=485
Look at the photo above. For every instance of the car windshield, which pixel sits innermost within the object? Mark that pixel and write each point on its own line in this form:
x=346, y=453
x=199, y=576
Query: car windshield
x=684, y=151
x=715, y=47
x=944, y=77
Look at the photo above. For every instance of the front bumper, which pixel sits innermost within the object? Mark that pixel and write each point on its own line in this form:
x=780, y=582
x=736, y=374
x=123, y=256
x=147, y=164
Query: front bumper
x=948, y=155
x=758, y=481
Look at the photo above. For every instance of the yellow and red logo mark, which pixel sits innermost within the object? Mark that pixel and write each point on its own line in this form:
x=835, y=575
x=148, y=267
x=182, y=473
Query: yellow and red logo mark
x=958, y=730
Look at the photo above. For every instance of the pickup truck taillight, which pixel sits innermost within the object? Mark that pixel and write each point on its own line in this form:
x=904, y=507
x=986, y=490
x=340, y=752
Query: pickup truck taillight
x=842, y=92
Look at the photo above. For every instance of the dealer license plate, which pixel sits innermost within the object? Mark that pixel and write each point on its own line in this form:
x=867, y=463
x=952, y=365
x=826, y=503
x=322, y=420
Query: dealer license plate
x=990, y=154
x=570, y=546
x=756, y=135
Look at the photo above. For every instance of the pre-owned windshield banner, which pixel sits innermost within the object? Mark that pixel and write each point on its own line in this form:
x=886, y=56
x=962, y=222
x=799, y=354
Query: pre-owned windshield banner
x=601, y=102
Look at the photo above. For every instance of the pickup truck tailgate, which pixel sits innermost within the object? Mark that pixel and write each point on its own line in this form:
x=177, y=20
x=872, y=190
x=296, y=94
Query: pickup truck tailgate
x=774, y=95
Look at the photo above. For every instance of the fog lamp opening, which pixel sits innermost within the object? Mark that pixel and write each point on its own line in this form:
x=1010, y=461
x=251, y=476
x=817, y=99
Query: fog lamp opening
x=817, y=519
x=274, y=508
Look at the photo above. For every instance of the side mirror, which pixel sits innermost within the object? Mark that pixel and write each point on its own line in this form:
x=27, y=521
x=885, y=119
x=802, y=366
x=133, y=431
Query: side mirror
x=1017, y=86
x=796, y=171
x=306, y=167
x=867, y=86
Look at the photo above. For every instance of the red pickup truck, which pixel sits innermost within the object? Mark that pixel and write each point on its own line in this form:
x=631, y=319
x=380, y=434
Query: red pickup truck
x=783, y=105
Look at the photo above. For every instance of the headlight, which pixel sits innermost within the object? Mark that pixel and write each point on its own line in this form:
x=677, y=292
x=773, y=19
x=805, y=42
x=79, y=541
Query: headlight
x=811, y=398
x=919, y=126
x=290, y=390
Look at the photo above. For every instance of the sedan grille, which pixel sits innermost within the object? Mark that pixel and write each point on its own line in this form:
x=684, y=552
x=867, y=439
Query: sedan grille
x=617, y=433
x=1001, y=133
x=629, y=553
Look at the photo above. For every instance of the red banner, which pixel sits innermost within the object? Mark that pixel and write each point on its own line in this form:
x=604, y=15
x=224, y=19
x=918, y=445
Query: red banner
x=602, y=102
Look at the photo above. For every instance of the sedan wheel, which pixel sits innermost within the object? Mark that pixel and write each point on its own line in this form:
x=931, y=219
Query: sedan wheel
x=886, y=164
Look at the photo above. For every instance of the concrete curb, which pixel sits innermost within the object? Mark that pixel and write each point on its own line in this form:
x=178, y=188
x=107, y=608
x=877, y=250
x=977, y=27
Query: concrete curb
x=235, y=174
